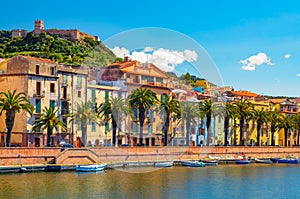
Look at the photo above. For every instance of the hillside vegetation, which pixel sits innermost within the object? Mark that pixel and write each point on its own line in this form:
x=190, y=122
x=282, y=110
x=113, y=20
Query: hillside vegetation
x=79, y=52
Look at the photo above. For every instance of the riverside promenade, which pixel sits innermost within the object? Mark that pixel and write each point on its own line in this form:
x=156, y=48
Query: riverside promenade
x=112, y=155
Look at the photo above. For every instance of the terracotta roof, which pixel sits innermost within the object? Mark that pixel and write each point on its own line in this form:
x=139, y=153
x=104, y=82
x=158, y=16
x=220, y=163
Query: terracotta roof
x=277, y=100
x=245, y=93
x=38, y=59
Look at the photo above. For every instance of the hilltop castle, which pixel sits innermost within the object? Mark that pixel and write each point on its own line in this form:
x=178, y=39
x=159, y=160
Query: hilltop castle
x=71, y=34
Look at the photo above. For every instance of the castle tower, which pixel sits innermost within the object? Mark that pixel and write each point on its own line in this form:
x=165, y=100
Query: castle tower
x=38, y=27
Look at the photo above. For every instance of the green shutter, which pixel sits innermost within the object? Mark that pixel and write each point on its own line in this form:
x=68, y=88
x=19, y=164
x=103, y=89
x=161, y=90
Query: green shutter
x=106, y=96
x=149, y=128
x=93, y=95
x=52, y=104
x=64, y=80
x=38, y=105
x=93, y=126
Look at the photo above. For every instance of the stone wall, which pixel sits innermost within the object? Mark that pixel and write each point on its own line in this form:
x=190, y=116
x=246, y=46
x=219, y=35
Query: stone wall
x=16, y=156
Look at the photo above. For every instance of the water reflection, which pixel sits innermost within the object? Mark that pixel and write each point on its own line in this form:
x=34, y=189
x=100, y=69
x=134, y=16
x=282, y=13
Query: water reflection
x=224, y=181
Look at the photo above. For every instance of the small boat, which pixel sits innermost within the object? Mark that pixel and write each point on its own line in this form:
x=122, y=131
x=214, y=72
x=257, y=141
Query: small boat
x=285, y=160
x=242, y=161
x=263, y=161
x=214, y=157
x=90, y=168
x=210, y=162
x=164, y=164
x=193, y=164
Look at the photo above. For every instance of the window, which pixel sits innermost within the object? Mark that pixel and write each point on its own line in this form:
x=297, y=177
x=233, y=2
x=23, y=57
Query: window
x=52, y=104
x=79, y=82
x=52, y=71
x=149, y=128
x=52, y=87
x=93, y=127
x=79, y=94
x=38, y=88
x=64, y=80
x=64, y=108
x=38, y=105
x=160, y=80
x=79, y=126
x=148, y=78
x=65, y=93
x=37, y=69
x=65, y=120
x=94, y=96
x=128, y=75
x=134, y=127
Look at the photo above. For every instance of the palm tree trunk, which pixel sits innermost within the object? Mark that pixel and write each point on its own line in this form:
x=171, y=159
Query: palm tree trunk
x=208, y=121
x=258, y=133
x=241, y=130
x=298, y=136
x=165, y=129
x=142, y=119
x=84, y=133
x=187, y=128
x=49, y=133
x=114, y=132
x=226, y=127
x=9, y=121
x=285, y=136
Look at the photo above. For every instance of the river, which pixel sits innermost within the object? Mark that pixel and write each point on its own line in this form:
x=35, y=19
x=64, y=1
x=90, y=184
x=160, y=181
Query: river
x=223, y=181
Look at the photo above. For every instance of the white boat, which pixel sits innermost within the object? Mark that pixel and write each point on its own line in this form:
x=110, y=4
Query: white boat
x=263, y=161
x=164, y=164
x=193, y=164
x=90, y=167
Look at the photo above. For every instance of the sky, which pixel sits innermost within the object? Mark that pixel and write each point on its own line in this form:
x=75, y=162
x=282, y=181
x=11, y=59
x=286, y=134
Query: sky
x=254, y=45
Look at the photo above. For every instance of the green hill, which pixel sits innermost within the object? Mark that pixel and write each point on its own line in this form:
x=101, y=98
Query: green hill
x=79, y=52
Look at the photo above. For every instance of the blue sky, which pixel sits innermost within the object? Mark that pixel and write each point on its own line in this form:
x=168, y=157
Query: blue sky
x=229, y=31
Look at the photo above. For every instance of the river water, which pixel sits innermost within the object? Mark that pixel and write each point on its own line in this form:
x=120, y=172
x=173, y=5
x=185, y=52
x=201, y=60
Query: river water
x=223, y=181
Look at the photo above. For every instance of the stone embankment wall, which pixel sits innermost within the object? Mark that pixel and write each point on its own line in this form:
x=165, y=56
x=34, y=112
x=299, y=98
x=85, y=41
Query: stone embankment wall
x=17, y=156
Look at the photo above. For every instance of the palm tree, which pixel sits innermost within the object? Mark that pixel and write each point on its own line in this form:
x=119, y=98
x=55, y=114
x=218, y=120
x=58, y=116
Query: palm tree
x=206, y=108
x=228, y=112
x=11, y=103
x=189, y=111
x=113, y=110
x=272, y=117
x=142, y=99
x=169, y=106
x=258, y=116
x=86, y=113
x=49, y=121
x=243, y=109
x=296, y=119
x=285, y=123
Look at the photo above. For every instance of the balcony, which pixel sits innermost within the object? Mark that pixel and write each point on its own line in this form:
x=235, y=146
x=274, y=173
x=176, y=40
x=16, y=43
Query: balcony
x=38, y=95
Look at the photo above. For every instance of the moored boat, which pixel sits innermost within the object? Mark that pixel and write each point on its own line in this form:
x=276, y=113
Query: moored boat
x=164, y=164
x=90, y=168
x=263, y=161
x=193, y=164
x=285, y=160
x=210, y=163
x=242, y=161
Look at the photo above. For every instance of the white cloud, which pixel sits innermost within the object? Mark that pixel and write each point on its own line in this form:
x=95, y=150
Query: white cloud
x=120, y=52
x=298, y=74
x=255, y=60
x=287, y=56
x=165, y=59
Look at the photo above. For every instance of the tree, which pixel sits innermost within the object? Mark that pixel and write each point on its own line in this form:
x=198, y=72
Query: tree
x=142, y=99
x=49, y=121
x=285, y=123
x=272, y=117
x=11, y=103
x=206, y=108
x=243, y=109
x=296, y=120
x=189, y=111
x=258, y=116
x=86, y=113
x=228, y=112
x=170, y=107
x=113, y=110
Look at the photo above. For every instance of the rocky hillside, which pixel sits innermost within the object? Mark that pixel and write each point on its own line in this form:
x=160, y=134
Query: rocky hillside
x=79, y=52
